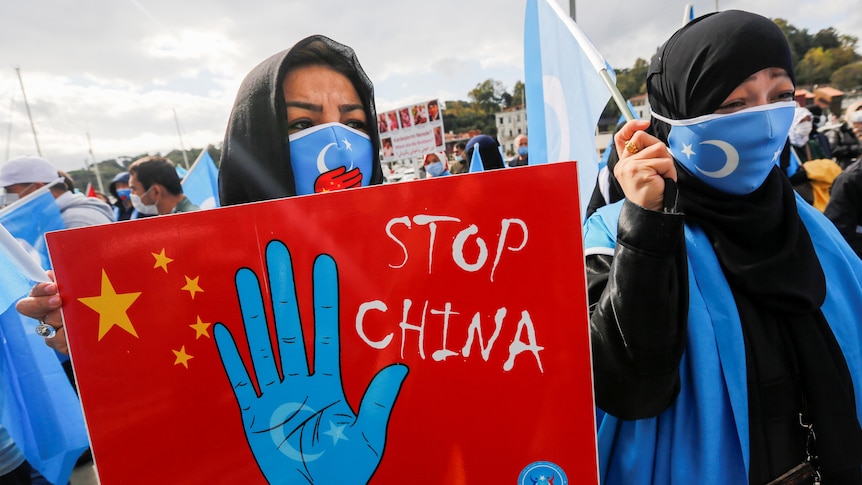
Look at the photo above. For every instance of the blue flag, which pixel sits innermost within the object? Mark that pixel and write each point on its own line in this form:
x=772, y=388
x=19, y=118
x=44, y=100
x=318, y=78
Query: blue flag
x=40, y=409
x=476, y=164
x=565, y=92
x=18, y=268
x=29, y=219
x=688, y=15
x=201, y=182
x=39, y=406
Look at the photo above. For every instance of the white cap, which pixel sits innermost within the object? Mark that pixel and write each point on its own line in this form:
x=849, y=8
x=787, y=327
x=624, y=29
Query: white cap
x=27, y=170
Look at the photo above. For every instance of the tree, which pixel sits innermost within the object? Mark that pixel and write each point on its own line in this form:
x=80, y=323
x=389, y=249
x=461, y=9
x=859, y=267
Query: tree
x=799, y=40
x=519, y=96
x=815, y=67
x=488, y=95
x=848, y=77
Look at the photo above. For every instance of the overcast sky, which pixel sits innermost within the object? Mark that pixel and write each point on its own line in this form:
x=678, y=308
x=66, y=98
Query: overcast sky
x=119, y=69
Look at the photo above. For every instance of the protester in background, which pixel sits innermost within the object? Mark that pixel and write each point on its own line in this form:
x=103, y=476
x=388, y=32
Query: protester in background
x=812, y=151
x=520, y=159
x=156, y=188
x=489, y=152
x=845, y=205
x=843, y=141
x=268, y=153
x=24, y=175
x=717, y=344
x=119, y=189
x=435, y=166
x=806, y=146
x=460, y=165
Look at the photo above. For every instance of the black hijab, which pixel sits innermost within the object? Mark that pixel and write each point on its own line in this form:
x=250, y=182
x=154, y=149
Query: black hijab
x=793, y=362
x=255, y=161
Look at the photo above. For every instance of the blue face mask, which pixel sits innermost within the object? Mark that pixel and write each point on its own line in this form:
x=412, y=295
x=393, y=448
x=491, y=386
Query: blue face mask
x=522, y=151
x=434, y=169
x=330, y=157
x=734, y=152
x=124, y=194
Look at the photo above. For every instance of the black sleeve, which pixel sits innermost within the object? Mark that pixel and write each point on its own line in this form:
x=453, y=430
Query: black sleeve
x=638, y=309
x=845, y=203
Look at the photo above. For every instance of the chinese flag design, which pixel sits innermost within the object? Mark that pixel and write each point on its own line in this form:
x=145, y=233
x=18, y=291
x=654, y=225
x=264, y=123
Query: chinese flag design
x=475, y=283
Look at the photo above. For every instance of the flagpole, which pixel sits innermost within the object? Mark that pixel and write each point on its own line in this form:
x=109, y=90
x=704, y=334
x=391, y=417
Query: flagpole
x=9, y=130
x=29, y=115
x=182, y=146
x=95, y=165
x=597, y=61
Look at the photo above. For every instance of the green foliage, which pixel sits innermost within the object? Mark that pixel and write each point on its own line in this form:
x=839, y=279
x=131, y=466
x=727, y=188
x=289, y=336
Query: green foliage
x=108, y=169
x=848, y=77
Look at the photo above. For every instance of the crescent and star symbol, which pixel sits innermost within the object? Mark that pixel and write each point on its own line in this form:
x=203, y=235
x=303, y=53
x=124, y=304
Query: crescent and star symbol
x=321, y=157
x=279, y=438
x=730, y=154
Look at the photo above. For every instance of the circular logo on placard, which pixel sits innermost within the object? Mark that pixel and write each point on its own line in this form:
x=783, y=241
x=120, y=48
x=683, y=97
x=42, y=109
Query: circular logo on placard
x=542, y=473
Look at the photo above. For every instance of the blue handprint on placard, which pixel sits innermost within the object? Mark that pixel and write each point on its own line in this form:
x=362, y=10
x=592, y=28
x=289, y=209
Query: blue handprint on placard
x=301, y=428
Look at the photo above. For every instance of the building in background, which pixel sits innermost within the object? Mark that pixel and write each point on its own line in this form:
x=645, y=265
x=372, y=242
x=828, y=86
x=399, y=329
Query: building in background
x=511, y=122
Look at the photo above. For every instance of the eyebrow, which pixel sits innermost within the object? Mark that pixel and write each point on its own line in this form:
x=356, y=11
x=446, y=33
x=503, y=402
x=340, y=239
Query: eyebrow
x=344, y=108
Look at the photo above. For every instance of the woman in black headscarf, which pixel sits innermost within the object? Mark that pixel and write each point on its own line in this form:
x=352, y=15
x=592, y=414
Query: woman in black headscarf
x=257, y=161
x=724, y=309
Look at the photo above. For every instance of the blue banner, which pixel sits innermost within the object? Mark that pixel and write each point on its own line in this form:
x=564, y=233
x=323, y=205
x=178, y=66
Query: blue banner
x=201, y=182
x=29, y=219
x=565, y=92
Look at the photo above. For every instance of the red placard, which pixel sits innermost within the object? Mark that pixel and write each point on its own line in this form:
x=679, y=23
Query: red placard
x=473, y=284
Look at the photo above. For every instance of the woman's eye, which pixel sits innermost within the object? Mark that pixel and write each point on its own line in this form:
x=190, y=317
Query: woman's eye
x=786, y=96
x=357, y=125
x=299, y=125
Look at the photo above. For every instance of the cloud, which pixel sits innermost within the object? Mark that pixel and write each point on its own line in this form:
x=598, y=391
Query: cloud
x=118, y=69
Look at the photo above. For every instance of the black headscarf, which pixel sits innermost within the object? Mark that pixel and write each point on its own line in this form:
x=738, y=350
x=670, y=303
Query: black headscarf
x=489, y=152
x=793, y=362
x=255, y=162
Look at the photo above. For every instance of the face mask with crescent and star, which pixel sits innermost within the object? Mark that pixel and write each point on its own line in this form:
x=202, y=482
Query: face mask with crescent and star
x=733, y=152
x=330, y=156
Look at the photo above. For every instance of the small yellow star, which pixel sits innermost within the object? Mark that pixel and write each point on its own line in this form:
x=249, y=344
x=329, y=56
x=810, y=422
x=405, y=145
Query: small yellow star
x=111, y=307
x=161, y=260
x=182, y=357
x=201, y=328
x=192, y=286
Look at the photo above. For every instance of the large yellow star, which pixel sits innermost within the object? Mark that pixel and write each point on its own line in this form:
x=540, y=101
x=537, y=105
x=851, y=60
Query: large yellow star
x=192, y=286
x=161, y=260
x=201, y=328
x=111, y=307
x=182, y=357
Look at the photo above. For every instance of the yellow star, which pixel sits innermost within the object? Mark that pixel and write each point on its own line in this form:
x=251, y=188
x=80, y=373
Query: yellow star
x=192, y=286
x=201, y=328
x=161, y=260
x=182, y=357
x=111, y=307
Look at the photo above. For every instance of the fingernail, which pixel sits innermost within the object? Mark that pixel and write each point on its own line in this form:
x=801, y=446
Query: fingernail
x=54, y=300
x=51, y=288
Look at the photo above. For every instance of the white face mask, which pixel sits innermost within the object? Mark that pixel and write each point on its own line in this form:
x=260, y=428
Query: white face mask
x=149, y=210
x=7, y=198
x=799, y=134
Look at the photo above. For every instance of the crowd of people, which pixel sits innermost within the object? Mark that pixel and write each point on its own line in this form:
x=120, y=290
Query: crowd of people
x=723, y=306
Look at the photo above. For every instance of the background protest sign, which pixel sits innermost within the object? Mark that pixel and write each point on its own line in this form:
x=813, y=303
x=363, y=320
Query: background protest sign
x=470, y=311
x=411, y=131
